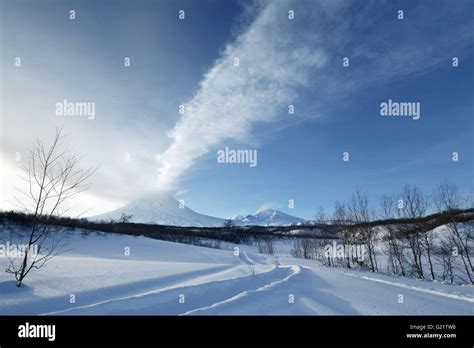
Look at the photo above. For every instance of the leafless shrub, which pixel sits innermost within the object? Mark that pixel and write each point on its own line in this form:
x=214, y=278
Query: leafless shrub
x=53, y=177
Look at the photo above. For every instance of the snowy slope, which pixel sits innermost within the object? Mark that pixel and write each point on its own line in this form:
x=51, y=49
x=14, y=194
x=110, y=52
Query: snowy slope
x=169, y=278
x=268, y=217
x=161, y=209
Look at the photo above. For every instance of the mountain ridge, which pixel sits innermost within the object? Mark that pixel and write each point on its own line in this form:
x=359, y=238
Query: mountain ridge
x=163, y=209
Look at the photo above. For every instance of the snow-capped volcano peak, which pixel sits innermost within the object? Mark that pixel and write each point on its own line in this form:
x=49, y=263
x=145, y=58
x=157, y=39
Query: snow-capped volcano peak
x=162, y=209
x=268, y=217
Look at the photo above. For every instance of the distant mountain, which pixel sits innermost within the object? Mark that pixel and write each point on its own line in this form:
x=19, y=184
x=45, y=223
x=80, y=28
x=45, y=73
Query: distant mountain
x=161, y=209
x=268, y=217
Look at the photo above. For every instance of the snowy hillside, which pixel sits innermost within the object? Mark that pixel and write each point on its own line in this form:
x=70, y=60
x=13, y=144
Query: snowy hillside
x=161, y=209
x=159, y=277
x=268, y=217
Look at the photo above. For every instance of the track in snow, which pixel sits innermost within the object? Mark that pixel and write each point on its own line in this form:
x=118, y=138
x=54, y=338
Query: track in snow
x=166, y=301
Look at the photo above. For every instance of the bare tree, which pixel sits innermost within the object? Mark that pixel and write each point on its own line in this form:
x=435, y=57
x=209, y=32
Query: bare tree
x=340, y=217
x=395, y=248
x=445, y=254
x=428, y=245
x=297, y=250
x=321, y=217
x=447, y=200
x=387, y=204
x=124, y=218
x=415, y=204
x=265, y=246
x=305, y=248
x=360, y=214
x=53, y=177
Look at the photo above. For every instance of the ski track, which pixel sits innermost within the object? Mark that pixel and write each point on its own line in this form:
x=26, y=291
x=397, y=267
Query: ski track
x=156, y=297
x=294, y=271
x=234, y=294
x=410, y=287
x=204, y=273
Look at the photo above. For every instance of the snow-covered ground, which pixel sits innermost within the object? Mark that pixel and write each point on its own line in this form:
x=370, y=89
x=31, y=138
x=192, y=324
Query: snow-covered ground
x=173, y=279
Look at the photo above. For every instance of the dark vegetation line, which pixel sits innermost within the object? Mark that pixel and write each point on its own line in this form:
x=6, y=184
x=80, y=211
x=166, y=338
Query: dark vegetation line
x=238, y=234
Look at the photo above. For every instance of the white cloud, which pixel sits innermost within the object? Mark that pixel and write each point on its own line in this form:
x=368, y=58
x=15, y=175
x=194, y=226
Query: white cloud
x=231, y=99
x=278, y=56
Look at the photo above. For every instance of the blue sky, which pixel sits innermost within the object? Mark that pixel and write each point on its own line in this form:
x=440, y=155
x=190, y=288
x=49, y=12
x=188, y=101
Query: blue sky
x=282, y=62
